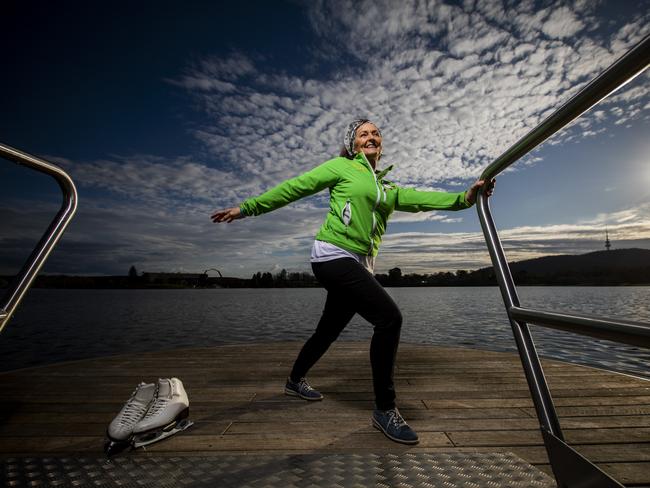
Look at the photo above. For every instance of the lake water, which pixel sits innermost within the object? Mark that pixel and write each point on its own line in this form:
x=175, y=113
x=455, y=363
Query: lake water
x=58, y=325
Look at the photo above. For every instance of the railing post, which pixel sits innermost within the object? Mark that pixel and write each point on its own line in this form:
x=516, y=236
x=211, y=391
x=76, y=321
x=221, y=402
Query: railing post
x=530, y=360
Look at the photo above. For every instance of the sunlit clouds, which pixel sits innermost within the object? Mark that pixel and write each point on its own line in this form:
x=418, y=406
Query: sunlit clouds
x=424, y=252
x=451, y=87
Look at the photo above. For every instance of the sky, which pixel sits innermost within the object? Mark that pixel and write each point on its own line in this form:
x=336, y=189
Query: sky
x=163, y=112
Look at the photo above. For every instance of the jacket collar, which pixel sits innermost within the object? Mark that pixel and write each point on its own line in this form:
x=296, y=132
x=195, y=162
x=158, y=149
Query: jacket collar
x=380, y=174
x=383, y=172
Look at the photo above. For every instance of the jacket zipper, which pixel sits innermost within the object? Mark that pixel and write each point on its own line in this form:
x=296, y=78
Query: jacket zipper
x=374, y=208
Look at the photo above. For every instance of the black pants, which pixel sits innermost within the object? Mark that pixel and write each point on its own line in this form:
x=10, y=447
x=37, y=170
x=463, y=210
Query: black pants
x=352, y=289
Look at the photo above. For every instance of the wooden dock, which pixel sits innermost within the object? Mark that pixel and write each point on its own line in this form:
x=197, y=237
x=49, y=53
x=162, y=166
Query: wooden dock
x=458, y=400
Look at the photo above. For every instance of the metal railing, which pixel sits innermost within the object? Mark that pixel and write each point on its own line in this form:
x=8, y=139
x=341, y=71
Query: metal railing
x=570, y=468
x=30, y=269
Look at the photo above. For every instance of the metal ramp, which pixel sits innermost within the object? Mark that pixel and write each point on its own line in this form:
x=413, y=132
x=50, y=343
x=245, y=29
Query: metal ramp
x=407, y=470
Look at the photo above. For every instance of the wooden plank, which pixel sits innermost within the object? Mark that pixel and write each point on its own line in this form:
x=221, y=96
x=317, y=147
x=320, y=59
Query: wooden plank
x=590, y=411
x=89, y=429
x=515, y=394
x=519, y=379
x=100, y=395
x=533, y=437
x=361, y=413
x=444, y=425
x=560, y=403
x=605, y=422
x=62, y=424
x=441, y=425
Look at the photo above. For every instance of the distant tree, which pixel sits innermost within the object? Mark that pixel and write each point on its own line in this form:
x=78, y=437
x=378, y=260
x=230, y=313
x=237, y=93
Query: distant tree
x=394, y=275
x=444, y=278
x=382, y=278
x=266, y=280
x=133, y=276
x=203, y=279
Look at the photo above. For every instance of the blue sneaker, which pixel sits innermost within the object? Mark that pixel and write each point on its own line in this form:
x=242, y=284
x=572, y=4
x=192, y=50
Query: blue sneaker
x=302, y=389
x=393, y=425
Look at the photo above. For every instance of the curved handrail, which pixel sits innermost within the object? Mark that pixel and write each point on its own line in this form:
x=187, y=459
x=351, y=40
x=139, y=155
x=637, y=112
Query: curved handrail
x=34, y=263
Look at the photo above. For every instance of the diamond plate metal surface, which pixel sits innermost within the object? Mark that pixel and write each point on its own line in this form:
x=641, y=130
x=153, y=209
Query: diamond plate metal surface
x=407, y=470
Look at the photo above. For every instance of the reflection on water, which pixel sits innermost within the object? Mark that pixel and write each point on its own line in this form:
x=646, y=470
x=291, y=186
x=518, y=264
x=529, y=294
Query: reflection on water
x=56, y=325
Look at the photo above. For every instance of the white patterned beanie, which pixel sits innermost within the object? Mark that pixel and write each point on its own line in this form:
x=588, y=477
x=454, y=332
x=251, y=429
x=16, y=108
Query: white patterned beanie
x=351, y=134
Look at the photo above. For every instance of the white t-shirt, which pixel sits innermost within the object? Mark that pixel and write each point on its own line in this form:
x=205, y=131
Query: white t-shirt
x=324, y=251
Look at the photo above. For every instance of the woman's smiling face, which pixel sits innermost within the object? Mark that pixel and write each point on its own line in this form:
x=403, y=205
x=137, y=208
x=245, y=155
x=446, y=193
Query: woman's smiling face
x=368, y=139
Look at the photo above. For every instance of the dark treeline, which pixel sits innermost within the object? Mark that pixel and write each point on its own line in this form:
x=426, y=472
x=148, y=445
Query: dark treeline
x=394, y=277
x=135, y=280
x=283, y=279
x=615, y=267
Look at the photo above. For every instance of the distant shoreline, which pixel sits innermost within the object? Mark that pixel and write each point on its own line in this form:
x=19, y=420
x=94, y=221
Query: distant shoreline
x=84, y=283
x=303, y=287
x=620, y=267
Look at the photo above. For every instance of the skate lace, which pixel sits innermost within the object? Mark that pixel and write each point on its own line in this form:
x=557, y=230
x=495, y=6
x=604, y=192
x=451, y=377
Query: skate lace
x=133, y=411
x=159, y=404
x=157, y=407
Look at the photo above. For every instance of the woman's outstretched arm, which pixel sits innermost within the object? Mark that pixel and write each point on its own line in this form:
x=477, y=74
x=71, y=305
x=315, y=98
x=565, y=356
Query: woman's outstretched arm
x=313, y=181
x=411, y=200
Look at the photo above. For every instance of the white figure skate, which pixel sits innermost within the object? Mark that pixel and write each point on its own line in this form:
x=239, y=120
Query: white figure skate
x=166, y=416
x=120, y=430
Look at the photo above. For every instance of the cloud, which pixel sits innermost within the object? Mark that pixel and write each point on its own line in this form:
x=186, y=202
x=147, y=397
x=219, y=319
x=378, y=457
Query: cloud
x=562, y=22
x=110, y=237
x=451, y=86
x=107, y=237
x=428, y=252
x=469, y=79
x=158, y=181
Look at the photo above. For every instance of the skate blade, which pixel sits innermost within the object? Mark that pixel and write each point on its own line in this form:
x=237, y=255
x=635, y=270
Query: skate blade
x=112, y=447
x=168, y=431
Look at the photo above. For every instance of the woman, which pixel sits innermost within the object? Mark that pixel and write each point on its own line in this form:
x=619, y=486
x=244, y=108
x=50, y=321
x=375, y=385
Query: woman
x=342, y=258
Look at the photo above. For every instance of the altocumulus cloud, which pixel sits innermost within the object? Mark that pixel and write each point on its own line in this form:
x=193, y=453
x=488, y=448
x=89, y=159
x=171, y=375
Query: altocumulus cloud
x=452, y=86
x=422, y=252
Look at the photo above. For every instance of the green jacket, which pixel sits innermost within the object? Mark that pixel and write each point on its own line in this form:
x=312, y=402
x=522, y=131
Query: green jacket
x=361, y=201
